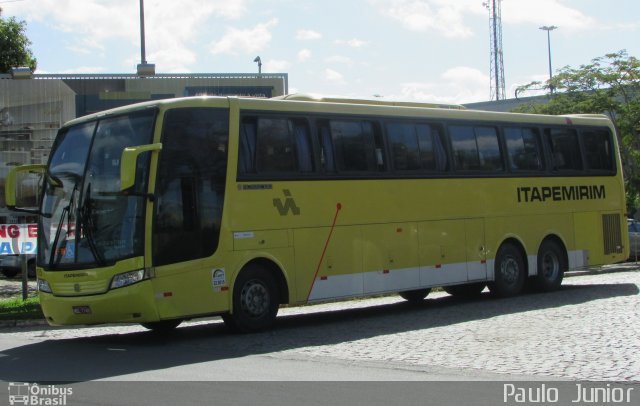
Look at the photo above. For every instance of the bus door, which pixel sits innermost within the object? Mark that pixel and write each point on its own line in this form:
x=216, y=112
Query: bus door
x=187, y=212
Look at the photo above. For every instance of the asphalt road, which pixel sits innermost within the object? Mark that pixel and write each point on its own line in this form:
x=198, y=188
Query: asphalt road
x=586, y=331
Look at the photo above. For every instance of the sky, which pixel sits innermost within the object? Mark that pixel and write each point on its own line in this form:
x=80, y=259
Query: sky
x=414, y=50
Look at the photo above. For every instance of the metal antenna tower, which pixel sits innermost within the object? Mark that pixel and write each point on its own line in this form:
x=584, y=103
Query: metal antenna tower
x=496, y=66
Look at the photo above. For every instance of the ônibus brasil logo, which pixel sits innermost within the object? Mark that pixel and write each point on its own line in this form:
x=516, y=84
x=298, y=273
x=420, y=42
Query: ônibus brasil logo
x=34, y=394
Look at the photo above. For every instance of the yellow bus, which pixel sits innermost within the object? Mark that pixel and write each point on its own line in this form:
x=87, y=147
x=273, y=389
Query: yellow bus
x=176, y=209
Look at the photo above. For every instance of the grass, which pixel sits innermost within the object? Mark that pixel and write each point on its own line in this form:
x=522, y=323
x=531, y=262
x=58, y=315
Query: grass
x=16, y=309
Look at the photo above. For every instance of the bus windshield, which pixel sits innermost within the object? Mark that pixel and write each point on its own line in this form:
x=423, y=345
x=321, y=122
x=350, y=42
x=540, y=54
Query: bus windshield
x=86, y=220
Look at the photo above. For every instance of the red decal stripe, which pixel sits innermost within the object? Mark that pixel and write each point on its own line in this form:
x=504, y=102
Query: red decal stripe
x=326, y=245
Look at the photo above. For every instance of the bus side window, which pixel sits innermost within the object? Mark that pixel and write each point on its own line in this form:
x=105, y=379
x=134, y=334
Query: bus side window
x=274, y=149
x=488, y=149
x=304, y=151
x=598, y=150
x=405, y=146
x=523, y=149
x=439, y=150
x=465, y=149
x=247, y=154
x=358, y=146
x=476, y=148
x=565, y=149
x=326, y=148
x=432, y=152
x=378, y=140
x=416, y=147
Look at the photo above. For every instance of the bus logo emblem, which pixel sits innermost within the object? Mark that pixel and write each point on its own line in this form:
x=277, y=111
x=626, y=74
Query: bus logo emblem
x=289, y=204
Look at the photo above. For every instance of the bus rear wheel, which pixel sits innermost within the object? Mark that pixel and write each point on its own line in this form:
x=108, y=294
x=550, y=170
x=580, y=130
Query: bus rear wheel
x=552, y=264
x=509, y=272
x=415, y=296
x=255, y=301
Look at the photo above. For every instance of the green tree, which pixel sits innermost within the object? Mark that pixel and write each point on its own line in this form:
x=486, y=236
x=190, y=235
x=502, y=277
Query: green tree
x=14, y=45
x=608, y=85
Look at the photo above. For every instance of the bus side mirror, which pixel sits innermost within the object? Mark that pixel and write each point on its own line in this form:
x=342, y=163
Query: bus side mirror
x=128, y=163
x=22, y=187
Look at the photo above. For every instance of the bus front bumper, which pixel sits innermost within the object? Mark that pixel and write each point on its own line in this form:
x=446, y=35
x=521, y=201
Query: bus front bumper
x=130, y=304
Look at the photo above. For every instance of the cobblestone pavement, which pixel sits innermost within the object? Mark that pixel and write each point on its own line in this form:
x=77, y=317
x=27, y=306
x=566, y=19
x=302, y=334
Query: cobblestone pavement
x=589, y=330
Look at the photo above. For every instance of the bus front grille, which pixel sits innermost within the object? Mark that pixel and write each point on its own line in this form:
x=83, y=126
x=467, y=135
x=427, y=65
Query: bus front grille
x=612, y=234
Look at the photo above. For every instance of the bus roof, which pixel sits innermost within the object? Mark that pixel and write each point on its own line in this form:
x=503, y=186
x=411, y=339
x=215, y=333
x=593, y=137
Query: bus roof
x=320, y=99
x=358, y=106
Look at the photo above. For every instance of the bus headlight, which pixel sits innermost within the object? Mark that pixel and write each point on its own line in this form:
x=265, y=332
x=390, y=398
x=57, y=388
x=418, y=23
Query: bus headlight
x=43, y=286
x=127, y=278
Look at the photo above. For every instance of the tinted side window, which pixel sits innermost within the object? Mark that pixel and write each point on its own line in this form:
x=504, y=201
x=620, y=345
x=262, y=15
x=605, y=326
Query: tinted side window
x=405, y=147
x=327, y=161
x=416, y=147
x=476, y=148
x=565, y=149
x=524, y=149
x=357, y=146
x=598, y=150
x=275, y=146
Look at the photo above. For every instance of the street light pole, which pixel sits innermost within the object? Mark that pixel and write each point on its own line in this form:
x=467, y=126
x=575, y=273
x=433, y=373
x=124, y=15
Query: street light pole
x=144, y=69
x=143, y=57
x=548, y=29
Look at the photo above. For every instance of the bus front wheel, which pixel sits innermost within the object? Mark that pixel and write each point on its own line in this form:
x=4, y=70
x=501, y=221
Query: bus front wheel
x=255, y=301
x=509, y=272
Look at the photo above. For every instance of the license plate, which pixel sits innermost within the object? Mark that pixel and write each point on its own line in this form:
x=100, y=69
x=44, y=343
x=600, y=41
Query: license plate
x=81, y=310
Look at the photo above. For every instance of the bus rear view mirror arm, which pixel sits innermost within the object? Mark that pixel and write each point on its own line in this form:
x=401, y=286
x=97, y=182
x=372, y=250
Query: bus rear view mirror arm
x=128, y=163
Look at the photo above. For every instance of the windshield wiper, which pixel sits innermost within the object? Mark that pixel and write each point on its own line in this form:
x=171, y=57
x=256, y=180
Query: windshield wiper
x=65, y=213
x=86, y=225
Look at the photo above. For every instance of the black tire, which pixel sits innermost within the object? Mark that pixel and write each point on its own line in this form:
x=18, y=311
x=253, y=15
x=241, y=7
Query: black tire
x=552, y=264
x=467, y=291
x=255, y=301
x=509, y=272
x=162, y=326
x=415, y=296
